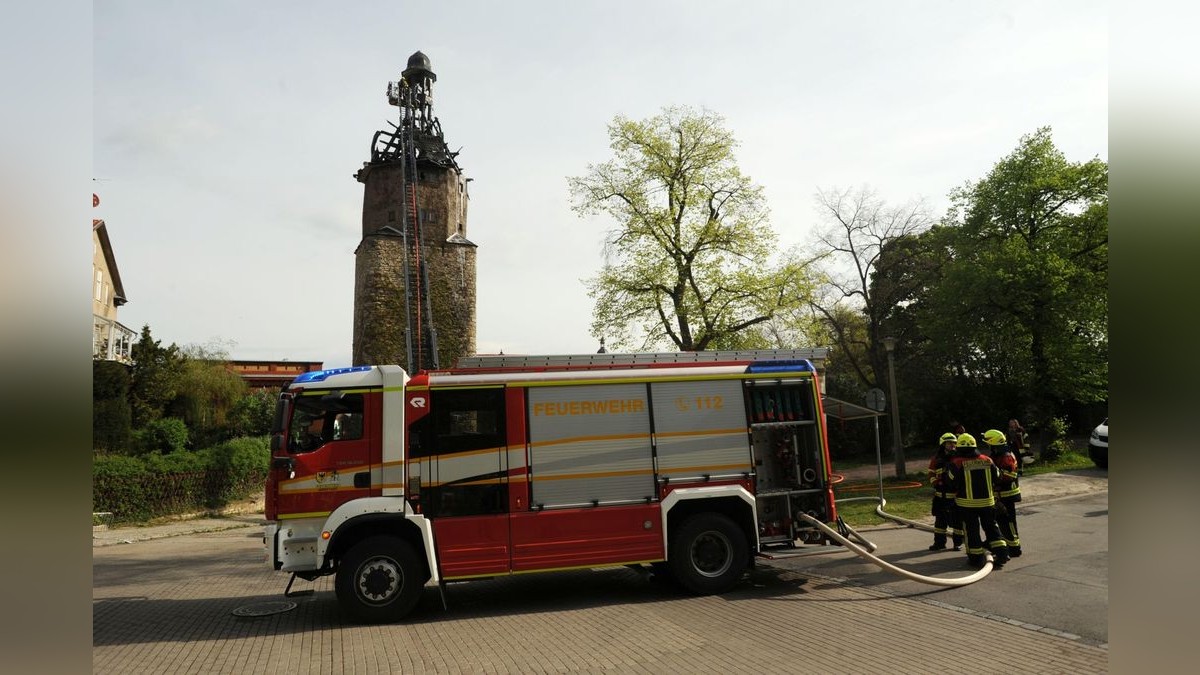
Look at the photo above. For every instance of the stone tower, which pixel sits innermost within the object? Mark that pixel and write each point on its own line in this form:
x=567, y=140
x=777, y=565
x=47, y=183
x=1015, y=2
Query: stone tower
x=414, y=270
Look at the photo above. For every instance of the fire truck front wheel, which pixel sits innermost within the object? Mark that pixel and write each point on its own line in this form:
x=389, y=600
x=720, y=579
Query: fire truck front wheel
x=379, y=580
x=708, y=554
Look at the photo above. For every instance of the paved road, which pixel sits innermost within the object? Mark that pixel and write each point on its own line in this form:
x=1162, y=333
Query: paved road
x=1059, y=584
x=165, y=605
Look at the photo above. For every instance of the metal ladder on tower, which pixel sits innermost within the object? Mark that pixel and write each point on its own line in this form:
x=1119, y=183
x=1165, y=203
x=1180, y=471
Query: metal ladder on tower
x=420, y=335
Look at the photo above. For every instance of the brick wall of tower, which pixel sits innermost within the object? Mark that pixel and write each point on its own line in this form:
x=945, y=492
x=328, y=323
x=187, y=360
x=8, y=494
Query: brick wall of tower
x=379, y=310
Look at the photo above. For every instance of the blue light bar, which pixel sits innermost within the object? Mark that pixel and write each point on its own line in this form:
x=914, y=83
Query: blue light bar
x=321, y=375
x=791, y=366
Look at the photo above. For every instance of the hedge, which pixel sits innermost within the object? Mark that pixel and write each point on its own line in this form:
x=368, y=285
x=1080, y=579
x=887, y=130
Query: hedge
x=136, y=489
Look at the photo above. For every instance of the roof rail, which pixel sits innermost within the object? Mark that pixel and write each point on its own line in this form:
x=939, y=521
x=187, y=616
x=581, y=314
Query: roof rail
x=816, y=354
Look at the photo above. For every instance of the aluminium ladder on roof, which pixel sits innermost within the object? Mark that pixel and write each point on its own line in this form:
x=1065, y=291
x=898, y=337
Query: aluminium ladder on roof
x=815, y=354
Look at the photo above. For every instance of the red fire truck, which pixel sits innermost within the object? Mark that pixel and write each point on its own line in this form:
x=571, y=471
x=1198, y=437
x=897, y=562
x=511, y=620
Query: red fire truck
x=692, y=463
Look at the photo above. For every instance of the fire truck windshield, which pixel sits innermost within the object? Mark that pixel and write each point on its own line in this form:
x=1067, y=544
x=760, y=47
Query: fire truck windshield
x=319, y=419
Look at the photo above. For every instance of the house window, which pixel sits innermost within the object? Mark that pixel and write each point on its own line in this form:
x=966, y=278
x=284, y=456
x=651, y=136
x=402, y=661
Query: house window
x=99, y=286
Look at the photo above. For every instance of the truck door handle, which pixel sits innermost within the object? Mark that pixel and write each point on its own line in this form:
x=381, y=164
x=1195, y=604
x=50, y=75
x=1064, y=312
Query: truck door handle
x=362, y=479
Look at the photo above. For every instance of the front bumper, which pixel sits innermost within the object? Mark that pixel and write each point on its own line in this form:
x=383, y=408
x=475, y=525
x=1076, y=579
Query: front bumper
x=291, y=545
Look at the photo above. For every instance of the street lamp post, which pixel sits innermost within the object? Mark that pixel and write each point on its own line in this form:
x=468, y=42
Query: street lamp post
x=889, y=343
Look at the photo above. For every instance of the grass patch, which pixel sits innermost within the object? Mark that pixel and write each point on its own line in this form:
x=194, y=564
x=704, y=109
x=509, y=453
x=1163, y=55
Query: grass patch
x=913, y=502
x=909, y=498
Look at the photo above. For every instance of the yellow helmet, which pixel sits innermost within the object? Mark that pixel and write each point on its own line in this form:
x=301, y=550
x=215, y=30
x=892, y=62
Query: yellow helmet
x=947, y=438
x=966, y=441
x=994, y=437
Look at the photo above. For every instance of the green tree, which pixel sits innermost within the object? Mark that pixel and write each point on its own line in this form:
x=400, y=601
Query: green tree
x=908, y=271
x=111, y=415
x=689, y=261
x=253, y=413
x=207, y=393
x=154, y=378
x=1029, y=276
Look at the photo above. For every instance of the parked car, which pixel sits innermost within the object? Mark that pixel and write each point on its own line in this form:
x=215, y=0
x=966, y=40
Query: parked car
x=1098, y=445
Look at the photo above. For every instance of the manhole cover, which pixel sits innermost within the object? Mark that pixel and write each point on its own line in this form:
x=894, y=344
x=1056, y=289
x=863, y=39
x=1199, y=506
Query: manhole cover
x=265, y=609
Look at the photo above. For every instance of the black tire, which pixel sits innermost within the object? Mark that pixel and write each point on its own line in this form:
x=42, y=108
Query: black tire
x=1099, y=456
x=379, y=580
x=708, y=554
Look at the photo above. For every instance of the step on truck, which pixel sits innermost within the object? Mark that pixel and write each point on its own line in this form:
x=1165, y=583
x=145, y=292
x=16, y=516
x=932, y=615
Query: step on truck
x=689, y=463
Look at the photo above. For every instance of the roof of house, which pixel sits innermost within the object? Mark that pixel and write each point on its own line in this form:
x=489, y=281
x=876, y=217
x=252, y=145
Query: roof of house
x=101, y=231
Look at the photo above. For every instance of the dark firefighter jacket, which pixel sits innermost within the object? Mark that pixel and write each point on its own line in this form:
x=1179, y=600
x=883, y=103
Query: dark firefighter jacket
x=974, y=477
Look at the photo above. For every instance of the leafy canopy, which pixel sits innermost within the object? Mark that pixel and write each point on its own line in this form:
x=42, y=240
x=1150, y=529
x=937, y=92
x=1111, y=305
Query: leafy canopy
x=688, y=261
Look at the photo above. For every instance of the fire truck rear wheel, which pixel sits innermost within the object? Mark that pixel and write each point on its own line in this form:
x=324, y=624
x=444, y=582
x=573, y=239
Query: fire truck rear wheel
x=708, y=554
x=379, y=580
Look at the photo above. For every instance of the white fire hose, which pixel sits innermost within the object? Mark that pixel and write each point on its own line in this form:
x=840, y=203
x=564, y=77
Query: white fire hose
x=866, y=555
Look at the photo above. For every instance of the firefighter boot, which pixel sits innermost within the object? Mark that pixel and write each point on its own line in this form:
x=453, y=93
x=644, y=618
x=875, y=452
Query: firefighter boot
x=999, y=556
x=1014, y=547
x=976, y=560
x=958, y=542
x=939, y=541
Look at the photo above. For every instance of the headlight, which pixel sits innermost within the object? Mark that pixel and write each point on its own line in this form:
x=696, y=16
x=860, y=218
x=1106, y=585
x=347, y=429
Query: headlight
x=1095, y=435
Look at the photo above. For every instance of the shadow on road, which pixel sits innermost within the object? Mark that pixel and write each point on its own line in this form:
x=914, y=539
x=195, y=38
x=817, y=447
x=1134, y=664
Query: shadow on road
x=141, y=619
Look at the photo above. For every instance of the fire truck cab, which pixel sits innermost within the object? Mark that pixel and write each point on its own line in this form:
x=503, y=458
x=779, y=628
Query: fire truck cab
x=501, y=466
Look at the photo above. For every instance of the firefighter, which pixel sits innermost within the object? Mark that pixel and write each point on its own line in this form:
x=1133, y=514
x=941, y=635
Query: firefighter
x=973, y=476
x=1018, y=442
x=945, y=512
x=1008, y=488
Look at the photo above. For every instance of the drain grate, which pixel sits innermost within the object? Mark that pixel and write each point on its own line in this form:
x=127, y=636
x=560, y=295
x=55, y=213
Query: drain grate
x=264, y=609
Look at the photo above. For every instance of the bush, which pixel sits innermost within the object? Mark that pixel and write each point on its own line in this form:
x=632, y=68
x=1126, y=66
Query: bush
x=137, y=489
x=167, y=435
x=242, y=464
x=1057, y=444
x=119, y=485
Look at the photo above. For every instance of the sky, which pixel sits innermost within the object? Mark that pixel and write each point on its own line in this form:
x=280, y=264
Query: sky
x=226, y=135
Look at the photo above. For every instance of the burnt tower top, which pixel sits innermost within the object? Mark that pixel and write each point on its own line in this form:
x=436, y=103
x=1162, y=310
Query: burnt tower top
x=413, y=94
x=419, y=68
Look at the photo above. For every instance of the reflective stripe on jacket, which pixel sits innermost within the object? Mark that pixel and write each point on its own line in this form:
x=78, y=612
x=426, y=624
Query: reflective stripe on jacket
x=974, y=477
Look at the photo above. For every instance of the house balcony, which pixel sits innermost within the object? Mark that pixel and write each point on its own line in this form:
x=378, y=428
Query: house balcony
x=111, y=340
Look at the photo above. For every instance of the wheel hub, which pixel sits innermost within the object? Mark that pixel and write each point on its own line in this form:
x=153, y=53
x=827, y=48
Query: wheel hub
x=379, y=580
x=712, y=554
